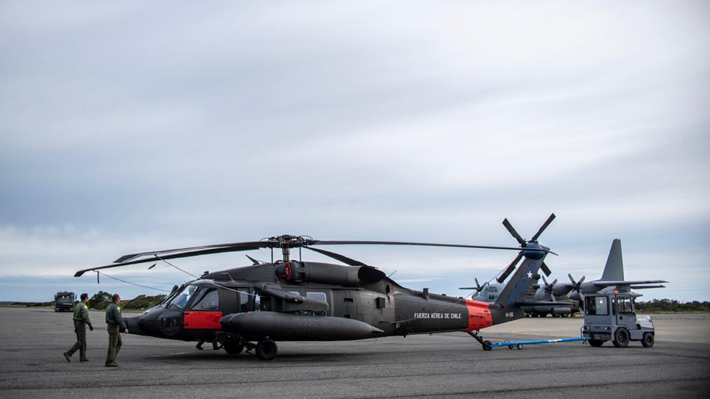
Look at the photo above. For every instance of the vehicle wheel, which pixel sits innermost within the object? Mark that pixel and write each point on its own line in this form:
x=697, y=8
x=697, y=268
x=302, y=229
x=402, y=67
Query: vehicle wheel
x=233, y=348
x=487, y=345
x=621, y=338
x=596, y=342
x=520, y=347
x=648, y=340
x=266, y=349
x=510, y=346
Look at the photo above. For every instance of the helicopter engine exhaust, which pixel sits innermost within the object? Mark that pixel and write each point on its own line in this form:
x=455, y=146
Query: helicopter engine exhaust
x=313, y=272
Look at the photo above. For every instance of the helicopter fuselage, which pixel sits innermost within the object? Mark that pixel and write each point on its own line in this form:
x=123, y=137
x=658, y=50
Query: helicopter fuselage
x=305, y=301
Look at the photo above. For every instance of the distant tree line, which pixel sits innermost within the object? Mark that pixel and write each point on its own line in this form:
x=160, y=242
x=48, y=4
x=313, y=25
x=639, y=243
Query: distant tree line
x=102, y=299
x=672, y=305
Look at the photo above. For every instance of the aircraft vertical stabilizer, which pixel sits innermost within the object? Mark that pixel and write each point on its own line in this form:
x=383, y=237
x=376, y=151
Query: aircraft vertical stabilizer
x=614, y=269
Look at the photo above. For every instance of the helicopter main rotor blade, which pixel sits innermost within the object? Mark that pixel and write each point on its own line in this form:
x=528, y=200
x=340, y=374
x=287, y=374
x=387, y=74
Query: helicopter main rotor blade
x=283, y=241
x=173, y=256
x=513, y=232
x=543, y=227
x=248, y=244
x=342, y=258
x=421, y=244
x=293, y=242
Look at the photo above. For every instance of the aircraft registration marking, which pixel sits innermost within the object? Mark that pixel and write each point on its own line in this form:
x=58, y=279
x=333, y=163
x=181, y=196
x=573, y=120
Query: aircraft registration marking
x=437, y=315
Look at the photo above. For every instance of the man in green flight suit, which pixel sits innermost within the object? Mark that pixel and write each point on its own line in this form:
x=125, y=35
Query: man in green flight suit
x=81, y=320
x=114, y=325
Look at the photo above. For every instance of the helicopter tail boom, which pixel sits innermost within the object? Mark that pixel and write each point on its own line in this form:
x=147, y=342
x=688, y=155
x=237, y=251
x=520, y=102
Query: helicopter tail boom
x=507, y=307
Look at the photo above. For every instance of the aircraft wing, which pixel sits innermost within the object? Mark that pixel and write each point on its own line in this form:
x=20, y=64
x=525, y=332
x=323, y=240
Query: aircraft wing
x=605, y=284
x=642, y=287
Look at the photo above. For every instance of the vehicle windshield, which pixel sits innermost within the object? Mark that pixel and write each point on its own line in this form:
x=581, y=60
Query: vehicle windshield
x=625, y=305
x=597, y=306
x=183, y=297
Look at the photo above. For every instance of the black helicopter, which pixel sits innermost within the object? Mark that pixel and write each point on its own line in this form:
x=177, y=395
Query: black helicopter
x=288, y=300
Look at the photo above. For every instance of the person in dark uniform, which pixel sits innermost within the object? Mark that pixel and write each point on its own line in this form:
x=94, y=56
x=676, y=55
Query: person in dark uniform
x=215, y=344
x=114, y=325
x=81, y=320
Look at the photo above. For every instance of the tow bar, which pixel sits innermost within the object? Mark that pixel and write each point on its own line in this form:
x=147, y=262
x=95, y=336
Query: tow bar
x=520, y=344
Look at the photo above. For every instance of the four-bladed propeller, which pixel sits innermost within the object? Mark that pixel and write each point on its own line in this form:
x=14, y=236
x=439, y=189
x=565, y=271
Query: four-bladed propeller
x=549, y=287
x=576, y=286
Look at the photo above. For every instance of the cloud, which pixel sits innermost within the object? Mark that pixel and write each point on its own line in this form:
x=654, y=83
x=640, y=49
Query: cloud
x=126, y=128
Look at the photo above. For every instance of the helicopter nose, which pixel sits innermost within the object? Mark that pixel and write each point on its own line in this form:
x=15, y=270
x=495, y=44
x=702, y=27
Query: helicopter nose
x=133, y=325
x=146, y=323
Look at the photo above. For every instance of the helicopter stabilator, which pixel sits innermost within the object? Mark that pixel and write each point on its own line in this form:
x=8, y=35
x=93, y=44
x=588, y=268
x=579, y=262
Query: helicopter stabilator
x=254, y=306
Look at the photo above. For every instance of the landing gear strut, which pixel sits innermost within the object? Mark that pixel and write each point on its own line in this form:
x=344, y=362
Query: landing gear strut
x=485, y=344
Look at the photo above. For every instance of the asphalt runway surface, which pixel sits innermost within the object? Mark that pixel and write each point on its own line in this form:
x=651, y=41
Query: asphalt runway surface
x=440, y=365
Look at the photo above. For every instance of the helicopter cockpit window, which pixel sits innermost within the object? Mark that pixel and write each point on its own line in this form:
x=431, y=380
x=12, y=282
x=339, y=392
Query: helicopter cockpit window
x=209, y=301
x=183, y=297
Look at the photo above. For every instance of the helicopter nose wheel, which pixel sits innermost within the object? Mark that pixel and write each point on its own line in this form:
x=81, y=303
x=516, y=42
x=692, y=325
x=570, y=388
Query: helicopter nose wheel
x=266, y=349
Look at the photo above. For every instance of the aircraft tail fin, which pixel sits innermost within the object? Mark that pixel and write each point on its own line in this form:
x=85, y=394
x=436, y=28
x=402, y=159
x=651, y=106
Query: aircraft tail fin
x=614, y=269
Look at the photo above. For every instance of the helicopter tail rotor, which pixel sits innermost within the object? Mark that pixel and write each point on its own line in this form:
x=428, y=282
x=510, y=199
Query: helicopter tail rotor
x=526, y=247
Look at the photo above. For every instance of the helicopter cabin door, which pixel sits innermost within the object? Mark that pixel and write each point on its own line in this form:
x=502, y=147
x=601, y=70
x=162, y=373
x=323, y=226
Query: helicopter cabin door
x=204, y=312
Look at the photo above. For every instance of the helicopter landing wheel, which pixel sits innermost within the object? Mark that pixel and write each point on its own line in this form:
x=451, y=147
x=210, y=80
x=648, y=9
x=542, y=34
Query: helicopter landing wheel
x=266, y=349
x=487, y=345
x=233, y=348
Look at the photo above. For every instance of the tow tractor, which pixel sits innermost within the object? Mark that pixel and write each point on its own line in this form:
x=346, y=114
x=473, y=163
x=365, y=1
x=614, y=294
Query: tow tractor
x=612, y=317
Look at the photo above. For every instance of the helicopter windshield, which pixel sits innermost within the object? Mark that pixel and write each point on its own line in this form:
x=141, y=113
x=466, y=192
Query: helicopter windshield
x=184, y=296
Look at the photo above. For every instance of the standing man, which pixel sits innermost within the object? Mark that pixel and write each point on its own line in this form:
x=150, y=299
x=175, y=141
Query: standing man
x=114, y=325
x=81, y=320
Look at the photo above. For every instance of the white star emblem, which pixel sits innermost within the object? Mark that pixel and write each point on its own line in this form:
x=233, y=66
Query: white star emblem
x=529, y=274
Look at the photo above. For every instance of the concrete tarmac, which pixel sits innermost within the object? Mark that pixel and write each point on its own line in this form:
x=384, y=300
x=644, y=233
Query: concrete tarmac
x=440, y=365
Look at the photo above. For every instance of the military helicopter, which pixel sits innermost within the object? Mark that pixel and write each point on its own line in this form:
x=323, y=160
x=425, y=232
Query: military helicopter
x=254, y=306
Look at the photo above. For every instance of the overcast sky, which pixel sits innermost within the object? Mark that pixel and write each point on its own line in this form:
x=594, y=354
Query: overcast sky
x=133, y=126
